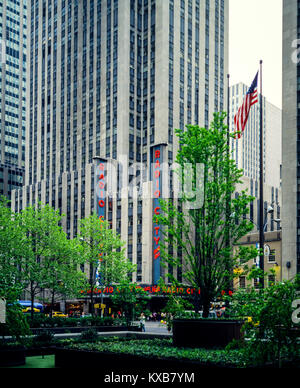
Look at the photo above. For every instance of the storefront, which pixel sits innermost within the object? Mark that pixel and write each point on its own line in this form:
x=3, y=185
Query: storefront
x=74, y=309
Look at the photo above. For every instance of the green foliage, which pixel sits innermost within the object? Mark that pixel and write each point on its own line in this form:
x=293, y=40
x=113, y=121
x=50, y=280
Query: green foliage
x=35, y=253
x=163, y=349
x=97, y=321
x=49, y=259
x=103, y=251
x=89, y=335
x=45, y=338
x=16, y=324
x=268, y=322
x=175, y=307
x=42, y=321
x=10, y=253
x=206, y=234
x=130, y=299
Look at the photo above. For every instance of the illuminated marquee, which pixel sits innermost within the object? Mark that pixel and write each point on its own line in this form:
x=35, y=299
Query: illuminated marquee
x=101, y=190
x=156, y=162
x=101, y=201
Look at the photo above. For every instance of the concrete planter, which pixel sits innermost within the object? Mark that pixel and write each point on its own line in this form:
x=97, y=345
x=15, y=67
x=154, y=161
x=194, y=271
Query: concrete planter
x=63, y=330
x=105, y=362
x=12, y=357
x=205, y=333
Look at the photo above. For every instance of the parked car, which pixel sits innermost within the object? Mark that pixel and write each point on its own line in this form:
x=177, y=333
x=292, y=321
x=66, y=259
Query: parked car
x=58, y=314
x=212, y=314
x=27, y=304
x=28, y=310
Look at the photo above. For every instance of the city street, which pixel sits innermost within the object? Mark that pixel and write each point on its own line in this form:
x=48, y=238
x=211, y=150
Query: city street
x=156, y=328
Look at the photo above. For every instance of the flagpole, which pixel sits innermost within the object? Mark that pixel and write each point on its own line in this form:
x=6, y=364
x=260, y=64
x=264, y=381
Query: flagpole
x=261, y=178
x=228, y=107
x=228, y=285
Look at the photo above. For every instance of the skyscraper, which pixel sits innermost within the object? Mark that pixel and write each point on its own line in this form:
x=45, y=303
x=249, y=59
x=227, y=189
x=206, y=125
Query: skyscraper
x=13, y=44
x=290, y=140
x=113, y=79
x=245, y=151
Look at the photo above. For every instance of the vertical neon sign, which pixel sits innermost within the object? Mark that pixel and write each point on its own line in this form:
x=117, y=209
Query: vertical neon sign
x=100, y=189
x=156, y=176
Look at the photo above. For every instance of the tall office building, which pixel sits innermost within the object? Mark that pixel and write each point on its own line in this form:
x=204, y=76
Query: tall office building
x=291, y=139
x=246, y=151
x=13, y=43
x=113, y=78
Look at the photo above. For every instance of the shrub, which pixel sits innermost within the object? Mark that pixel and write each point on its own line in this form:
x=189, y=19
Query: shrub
x=89, y=335
x=161, y=349
x=16, y=324
x=268, y=322
x=39, y=320
x=43, y=339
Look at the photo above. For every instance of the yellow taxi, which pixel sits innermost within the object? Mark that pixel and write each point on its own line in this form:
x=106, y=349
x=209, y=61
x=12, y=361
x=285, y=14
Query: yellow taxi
x=28, y=310
x=58, y=314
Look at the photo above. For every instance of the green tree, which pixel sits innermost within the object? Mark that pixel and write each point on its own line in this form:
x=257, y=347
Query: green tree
x=41, y=236
x=10, y=249
x=63, y=278
x=103, y=251
x=130, y=299
x=16, y=324
x=205, y=234
x=269, y=328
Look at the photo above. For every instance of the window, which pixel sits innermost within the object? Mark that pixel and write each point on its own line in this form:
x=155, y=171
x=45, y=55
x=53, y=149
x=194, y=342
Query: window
x=271, y=280
x=256, y=283
x=242, y=282
x=272, y=257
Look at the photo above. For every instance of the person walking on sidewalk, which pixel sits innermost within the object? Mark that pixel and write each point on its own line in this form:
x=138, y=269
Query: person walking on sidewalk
x=142, y=322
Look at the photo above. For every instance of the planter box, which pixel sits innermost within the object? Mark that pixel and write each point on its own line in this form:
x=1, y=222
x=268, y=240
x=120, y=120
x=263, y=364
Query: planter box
x=103, y=329
x=42, y=351
x=12, y=357
x=106, y=362
x=205, y=333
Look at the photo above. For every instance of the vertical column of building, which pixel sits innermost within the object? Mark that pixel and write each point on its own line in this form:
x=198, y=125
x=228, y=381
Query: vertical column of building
x=291, y=135
x=13, y=38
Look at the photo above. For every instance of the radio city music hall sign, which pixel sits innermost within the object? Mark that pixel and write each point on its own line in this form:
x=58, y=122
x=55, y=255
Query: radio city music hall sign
x=157, y=195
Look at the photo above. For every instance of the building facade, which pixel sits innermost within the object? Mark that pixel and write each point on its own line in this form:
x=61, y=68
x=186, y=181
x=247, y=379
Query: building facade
x=272, y=259
x=245, y=151
x=291, y=140
x=13, y=55
x=113, y=78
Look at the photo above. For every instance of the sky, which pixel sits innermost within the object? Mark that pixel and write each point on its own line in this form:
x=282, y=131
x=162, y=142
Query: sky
x=255, y=33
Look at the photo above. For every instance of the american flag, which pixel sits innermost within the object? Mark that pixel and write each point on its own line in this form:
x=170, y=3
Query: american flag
x=241, y=118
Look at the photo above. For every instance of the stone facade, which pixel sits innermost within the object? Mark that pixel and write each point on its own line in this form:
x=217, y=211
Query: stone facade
x=113, y=79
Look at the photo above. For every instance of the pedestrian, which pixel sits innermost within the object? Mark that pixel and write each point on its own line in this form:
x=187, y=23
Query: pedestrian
x=142, y=322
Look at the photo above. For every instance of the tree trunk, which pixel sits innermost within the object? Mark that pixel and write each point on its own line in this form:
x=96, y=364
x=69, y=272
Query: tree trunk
x=92, y=301
x=52, y=305
x=32, y=301
x=197, y=303
x=92, y=289
x=206, y=307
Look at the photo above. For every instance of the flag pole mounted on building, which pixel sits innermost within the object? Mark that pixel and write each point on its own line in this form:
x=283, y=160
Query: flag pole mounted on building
x=240, y=121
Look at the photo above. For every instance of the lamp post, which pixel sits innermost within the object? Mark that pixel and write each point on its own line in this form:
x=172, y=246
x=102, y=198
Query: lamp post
x=269, y=211
x=92, y=274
